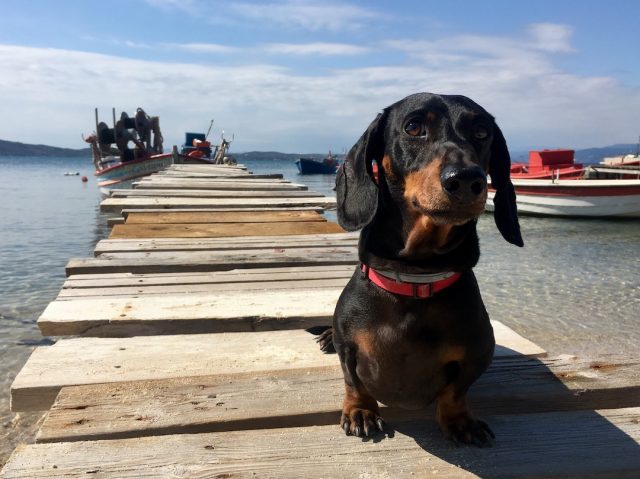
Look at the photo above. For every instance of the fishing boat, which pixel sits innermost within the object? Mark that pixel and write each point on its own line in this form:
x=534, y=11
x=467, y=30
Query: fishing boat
x=197, y=149
x=552, y=184
x=311, y=166
x=131, y=149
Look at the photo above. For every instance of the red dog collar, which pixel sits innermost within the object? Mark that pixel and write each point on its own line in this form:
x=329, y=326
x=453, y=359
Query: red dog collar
x=415, y=290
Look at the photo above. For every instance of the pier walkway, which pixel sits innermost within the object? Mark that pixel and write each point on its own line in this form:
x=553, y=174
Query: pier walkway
x=183, y=351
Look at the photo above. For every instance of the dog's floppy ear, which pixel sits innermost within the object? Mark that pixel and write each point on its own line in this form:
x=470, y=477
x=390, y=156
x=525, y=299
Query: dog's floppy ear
x=505, y=210
x=357, y=193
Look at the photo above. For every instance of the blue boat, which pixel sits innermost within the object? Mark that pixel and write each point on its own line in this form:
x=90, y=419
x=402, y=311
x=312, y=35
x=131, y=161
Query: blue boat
x=311, y=166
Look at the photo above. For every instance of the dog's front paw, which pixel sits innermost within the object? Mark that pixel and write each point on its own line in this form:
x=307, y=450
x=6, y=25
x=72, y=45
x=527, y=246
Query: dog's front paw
x=361, y=422
x=464, y=429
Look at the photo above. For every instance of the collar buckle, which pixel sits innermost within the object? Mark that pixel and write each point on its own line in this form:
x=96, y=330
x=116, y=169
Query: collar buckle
x=422, y=290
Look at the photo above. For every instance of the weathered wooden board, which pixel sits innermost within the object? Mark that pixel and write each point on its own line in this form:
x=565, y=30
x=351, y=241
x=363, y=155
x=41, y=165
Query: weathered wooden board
x=219, y=185
x=203, y=167
x=192, y=168
x=115, y=205
x=77, y=361
x=125, y=212
x=221, y=230
x=223, y=244
x=258, y=310
x=253, y=179
x=115, y=221
x=189, y=170
x=312, y=397
x=176, y=217
x=199, y=261
x=78, y=285
x=105, y=281
x=202, y=193
x=193, y=288
x=219, y=174
x=585, y=444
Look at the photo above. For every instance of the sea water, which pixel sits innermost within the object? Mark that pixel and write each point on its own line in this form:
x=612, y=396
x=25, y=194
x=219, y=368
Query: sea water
x=574, y=287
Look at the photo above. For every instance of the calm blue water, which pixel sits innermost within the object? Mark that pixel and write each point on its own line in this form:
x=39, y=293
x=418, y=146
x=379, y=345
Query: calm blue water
x=574, y=287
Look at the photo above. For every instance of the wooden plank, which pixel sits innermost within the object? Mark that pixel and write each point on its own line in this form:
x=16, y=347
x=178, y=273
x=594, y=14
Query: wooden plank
x=220, y=174
x=219, y=185
x=223, y=244
x=91, y=361
x=115, y=221
x=115, y=205
x=125, y=212
x=585, y=444
x=175, y=217
x=68, y=294
x=221, y=230
x=198, y=261
x=215, y=312
x=312, y=397
x=77, y=361
x=252, y=179
x=217, y=277
x=200, y=193
x=177, y=169
x=237, y=277
x=186, y=168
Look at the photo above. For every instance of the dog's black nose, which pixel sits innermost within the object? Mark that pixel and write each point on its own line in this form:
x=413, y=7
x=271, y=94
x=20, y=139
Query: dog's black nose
x=463, y=184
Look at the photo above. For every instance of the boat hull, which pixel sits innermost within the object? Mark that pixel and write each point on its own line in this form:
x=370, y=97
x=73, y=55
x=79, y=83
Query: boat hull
x=133, y=169
x=576, y=198
x=315, y=167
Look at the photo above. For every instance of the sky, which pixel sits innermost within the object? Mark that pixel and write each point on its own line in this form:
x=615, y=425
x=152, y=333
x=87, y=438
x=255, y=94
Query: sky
x=301, y=76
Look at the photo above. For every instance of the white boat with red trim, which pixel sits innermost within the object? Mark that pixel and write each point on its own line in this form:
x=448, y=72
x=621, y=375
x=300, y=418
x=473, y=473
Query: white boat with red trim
x=552, y=184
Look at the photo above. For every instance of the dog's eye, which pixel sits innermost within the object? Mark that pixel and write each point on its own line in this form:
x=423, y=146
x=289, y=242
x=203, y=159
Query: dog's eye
x=480, y=133
x=415, y=127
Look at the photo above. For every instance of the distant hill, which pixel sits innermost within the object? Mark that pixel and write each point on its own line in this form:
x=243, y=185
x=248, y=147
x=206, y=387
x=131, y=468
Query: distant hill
x=264, y=155
x=595, y=155
x=271, y=155
x=587, y=155
x=14, y=148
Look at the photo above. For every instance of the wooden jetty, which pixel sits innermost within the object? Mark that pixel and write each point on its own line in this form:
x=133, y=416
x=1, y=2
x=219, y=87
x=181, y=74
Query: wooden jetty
x=184, y=352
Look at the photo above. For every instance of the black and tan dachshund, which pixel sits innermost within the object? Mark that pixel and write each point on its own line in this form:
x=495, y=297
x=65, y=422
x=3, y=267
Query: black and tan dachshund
x=410, y=326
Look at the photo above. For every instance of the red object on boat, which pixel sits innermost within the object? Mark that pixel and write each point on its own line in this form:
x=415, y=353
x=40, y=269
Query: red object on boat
x=196, y=154
x=548, y=164
x=201, y=143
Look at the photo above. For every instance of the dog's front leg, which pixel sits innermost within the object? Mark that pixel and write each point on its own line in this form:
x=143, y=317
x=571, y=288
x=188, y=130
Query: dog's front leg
x=360, y=412
x=456, y=421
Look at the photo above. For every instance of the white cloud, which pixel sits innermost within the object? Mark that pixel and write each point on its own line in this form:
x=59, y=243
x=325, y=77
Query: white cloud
x=48, y=95
x=552, y=37
x=203, y=47
x=308, y=15
x=318, y=48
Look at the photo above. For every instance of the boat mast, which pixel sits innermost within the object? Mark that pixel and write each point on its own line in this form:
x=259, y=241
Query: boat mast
x=209, y=130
